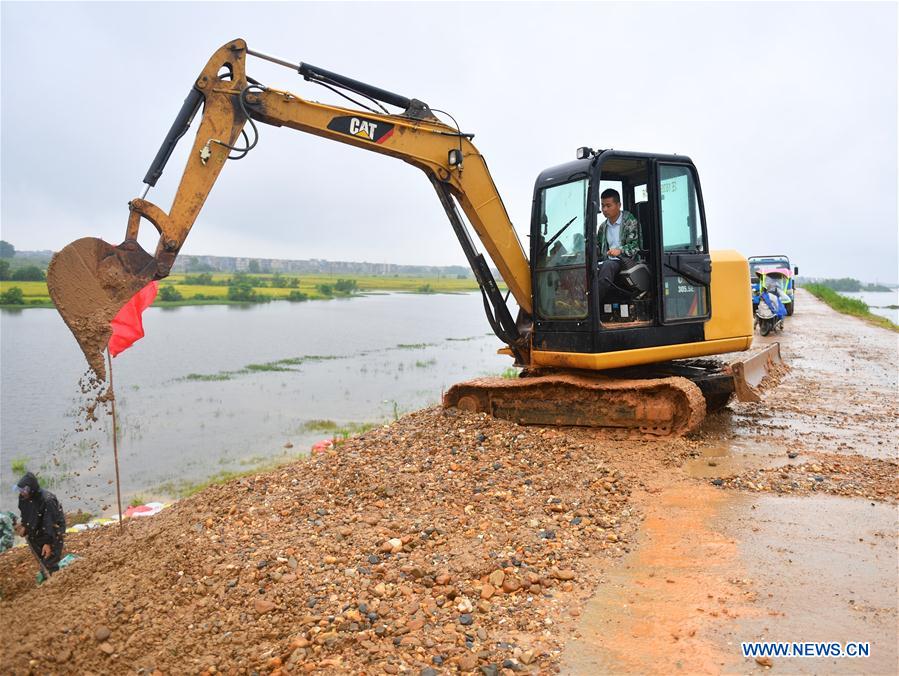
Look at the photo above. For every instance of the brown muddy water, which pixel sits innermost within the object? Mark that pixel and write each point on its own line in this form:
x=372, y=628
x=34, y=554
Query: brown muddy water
x=213, y=389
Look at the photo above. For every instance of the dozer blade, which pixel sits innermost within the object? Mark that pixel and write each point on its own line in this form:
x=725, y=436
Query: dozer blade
x=89, y=281
x=749, y=372
x=662, y=406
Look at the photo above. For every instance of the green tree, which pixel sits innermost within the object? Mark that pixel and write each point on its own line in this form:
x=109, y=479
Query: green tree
x=169, y=293
x=4, y=269
x=13, y=296
x=202, y=279
x=7, y=250
x=346, y=286
x=254, y=266
x=325, y=289
x=30, y=273
x=297, y=296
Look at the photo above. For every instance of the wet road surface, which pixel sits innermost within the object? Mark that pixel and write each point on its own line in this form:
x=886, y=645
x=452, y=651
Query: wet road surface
x=714, y=567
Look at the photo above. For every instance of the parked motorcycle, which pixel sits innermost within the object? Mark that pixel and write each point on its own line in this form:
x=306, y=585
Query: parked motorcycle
x=770, y=310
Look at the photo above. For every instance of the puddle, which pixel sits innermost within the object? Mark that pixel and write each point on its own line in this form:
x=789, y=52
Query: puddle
x=715, y=569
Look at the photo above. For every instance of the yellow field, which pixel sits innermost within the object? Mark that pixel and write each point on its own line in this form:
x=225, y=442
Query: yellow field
x=36, y=292
x=32, y=291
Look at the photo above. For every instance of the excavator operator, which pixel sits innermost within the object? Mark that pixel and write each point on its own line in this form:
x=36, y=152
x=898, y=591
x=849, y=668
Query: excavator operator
x=618, y=239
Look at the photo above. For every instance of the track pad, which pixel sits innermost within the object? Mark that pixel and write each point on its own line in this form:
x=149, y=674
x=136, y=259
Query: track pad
x=89, y=281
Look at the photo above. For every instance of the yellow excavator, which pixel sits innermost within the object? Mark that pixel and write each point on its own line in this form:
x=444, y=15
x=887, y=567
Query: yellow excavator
x=629, y=357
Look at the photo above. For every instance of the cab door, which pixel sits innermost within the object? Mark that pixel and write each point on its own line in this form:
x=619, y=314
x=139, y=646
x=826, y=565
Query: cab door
x=686, y=264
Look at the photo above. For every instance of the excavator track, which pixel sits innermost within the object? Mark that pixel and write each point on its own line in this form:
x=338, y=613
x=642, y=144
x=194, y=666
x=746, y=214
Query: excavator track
x=661, y=406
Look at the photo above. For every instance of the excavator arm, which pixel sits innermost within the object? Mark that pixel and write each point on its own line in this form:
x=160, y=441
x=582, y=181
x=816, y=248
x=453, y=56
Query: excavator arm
x=89, y=280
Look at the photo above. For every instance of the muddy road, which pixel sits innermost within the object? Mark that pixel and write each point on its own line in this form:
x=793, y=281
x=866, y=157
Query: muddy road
x=450, y=542
x=782, y=527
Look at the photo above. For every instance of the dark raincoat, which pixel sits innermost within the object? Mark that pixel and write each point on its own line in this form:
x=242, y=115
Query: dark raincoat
x=44, y=521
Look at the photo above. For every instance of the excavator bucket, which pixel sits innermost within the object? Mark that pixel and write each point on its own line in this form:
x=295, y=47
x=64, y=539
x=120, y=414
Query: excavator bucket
x=89, y=281
x=749, y=372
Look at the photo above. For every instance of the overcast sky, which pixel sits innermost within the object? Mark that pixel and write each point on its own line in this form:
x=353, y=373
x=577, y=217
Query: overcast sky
x=788, y=110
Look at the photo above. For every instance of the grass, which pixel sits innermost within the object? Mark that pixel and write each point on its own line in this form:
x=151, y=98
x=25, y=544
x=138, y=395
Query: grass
x=335, y=429
x=19, y=466
x=849, y=306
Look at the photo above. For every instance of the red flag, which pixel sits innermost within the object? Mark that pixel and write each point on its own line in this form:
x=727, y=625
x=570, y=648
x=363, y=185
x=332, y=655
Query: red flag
x=127, y=326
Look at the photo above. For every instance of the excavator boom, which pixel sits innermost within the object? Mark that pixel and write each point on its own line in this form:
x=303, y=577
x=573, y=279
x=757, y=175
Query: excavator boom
x=89, y=280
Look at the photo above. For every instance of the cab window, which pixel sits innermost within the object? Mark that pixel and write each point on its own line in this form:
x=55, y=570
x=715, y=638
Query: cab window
x=681, y=221
x=561, y=290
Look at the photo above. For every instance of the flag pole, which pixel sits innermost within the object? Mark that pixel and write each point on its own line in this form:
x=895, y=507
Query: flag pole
x=115, y=444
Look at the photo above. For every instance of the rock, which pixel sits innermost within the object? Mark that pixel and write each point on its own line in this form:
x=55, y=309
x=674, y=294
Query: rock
x=443, y=578
x=465, y=619
x=496, y=578
x=765, y=661
x=527, y=656
x=489, y=670
x=379, y=589
x=511, y=584
x=566, y=574
x=107, y=648
x=463, y=605
x=428, y=671
x=330, y=560
x=487, y=591
x=262, y=606
x=468, y=662
x=374, y=559
x=102, y=633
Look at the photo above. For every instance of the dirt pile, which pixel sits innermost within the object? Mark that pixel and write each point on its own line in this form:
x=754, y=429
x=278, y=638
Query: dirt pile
x=446, y=541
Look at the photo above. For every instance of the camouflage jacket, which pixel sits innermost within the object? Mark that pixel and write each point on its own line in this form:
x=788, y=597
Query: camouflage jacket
x=7, y=534
x=630, y=236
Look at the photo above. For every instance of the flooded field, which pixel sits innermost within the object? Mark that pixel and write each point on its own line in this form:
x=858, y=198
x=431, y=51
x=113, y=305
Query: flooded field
x=883, y=303
x=216, y=389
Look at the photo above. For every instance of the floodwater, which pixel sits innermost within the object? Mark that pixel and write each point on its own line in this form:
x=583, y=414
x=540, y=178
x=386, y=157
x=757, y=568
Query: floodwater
x=879, y=302
x=198, y=395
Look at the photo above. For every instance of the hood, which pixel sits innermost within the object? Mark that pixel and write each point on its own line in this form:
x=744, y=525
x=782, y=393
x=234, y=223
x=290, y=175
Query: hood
x=30, y=481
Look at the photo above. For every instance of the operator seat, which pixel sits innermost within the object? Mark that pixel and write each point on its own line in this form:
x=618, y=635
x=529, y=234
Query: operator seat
x=637, y=280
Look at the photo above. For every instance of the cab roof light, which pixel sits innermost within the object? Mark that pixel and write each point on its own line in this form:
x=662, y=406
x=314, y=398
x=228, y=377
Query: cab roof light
x=584, y=153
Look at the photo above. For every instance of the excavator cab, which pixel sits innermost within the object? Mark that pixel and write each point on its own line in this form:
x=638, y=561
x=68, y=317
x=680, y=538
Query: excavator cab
x=662, y=298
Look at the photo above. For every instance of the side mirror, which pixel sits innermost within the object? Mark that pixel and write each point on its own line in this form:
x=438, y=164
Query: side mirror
x=795, y=270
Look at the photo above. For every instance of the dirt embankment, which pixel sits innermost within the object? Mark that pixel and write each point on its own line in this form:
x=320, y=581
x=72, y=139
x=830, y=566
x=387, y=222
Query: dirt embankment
x=445, y=541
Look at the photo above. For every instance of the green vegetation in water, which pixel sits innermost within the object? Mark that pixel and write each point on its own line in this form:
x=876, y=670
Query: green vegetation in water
x=137, y=501
x=19, y=466
x=280, y=365
x=464, y=340
x=415, y=346
x=423, y=364
x=335, y=429
x=848, y=284
x=268, y=366
x=849, y=306
x=207, y=377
